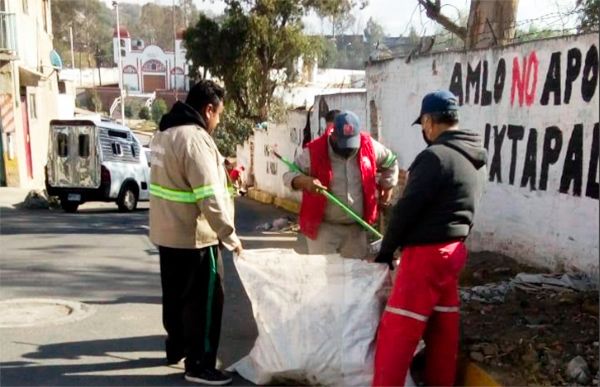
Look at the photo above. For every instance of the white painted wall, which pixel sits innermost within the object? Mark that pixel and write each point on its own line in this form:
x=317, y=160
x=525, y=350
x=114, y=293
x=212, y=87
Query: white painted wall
x=91, y=77
x=542, y=226
x=286, y=139
x=354, y=100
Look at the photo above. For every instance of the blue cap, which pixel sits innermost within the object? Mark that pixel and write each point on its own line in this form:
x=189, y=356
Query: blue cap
x=346, y=127
x=439, y=101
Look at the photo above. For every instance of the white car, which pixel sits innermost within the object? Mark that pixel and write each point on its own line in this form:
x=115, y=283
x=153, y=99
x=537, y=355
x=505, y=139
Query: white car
x=96, y=160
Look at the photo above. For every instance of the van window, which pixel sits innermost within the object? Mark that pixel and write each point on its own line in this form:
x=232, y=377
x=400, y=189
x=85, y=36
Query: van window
x=133, y=150
x=116, y=148
x=117, y=133
x=62, y=144
x=84, y=145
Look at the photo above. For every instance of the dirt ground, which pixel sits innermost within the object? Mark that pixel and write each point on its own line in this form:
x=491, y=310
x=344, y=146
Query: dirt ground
x=530, y=338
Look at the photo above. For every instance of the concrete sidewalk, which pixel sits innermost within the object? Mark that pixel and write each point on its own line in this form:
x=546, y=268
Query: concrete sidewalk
x=9, y=196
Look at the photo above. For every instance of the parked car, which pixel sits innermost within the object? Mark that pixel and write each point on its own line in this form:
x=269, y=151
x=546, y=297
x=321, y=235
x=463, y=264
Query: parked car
x=96, y=160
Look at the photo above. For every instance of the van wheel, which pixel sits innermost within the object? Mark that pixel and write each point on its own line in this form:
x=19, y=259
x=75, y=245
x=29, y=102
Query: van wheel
x=128, y=199
x=70, y=207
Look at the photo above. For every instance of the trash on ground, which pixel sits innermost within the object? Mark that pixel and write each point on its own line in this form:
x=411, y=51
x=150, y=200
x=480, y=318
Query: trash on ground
x=39, y=200
x=280, y=224
x=527, y=328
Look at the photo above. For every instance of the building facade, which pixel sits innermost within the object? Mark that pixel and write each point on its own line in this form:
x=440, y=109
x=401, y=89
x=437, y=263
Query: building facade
x=150, y=68
x=29, y=90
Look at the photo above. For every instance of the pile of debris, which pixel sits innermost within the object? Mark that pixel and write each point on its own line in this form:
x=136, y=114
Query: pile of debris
x=530, y=328
x=284, y=224
x=39, y=200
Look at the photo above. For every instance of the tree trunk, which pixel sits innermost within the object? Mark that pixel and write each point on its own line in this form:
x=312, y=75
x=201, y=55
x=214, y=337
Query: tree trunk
x=491, y=23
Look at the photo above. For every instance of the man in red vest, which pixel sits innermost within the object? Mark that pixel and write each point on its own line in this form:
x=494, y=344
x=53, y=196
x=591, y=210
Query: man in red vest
x=345, y=161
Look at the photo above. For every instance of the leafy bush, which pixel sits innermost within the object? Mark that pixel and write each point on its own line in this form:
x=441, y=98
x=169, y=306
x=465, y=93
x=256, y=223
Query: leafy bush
x=159, y=108
x=144, y=113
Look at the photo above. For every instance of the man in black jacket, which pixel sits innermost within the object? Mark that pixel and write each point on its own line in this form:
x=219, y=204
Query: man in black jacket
x=429, y=224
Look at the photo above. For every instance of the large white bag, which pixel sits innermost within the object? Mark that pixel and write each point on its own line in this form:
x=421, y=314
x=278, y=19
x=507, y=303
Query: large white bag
x=317, y=316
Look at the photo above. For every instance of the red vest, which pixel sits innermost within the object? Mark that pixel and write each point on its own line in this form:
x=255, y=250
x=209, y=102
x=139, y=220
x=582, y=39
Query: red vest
x=312, y=209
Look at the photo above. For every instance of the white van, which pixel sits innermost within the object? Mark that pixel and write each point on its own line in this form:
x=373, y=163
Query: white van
x=96, y=160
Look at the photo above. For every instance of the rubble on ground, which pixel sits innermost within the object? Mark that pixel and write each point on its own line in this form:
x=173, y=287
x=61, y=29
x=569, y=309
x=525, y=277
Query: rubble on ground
x=526, y=327
x=282, y=224
x=39, y=200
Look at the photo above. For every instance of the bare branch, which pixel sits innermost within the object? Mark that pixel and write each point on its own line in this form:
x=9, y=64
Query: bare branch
x=432, y=8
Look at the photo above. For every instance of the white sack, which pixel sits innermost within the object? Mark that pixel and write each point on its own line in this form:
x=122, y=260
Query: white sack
x=317, y=317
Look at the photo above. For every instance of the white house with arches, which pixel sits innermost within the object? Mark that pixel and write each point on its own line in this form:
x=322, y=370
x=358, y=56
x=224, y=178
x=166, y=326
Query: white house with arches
x=150, y=68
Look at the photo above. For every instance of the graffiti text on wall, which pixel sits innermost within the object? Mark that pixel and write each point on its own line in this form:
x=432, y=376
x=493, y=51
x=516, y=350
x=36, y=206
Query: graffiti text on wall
x=481, y=84
x=573, y=172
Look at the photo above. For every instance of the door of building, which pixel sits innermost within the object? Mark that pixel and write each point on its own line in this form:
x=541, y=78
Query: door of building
x=154, y=82
x=27, y=137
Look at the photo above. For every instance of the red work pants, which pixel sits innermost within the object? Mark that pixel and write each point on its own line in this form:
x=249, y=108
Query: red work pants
x=424, y=303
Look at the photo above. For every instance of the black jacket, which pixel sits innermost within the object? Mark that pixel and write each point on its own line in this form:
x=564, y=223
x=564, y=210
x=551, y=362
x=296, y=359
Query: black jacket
x=444, y=186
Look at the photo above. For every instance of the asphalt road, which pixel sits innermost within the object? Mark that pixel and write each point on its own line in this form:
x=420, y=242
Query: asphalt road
x=104, y=259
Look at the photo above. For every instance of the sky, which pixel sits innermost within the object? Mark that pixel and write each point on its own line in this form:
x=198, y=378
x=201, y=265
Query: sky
x=397, y=16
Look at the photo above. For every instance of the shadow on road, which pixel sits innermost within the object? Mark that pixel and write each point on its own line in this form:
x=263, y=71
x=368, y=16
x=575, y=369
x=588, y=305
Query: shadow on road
x=124, y=362
x=87, y=221
x=128, y=369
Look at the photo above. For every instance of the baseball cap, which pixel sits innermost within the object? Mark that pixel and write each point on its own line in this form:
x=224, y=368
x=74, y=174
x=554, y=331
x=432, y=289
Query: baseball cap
x=437, y=102
x=346, y=127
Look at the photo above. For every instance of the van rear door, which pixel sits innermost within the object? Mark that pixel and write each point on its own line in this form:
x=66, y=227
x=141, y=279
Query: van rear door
x=73, y=159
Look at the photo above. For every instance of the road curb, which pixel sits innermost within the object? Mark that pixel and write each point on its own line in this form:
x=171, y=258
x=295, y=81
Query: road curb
x=266, y=198
x=260, y=196
x=288, y=205
x=470, y=374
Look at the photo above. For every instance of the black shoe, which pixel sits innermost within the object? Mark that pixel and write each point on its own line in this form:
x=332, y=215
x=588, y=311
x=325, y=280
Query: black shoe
x=210, y=377
x=174, y=352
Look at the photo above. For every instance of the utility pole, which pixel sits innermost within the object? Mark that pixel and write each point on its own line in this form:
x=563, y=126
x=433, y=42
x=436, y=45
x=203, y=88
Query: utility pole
x=72, y=52
x=115, y=4
x=174, y=53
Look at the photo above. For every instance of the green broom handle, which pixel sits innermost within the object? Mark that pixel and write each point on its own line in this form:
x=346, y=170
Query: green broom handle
x=292, y=166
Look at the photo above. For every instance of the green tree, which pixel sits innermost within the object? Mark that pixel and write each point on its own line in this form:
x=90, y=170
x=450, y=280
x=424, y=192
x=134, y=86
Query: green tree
x=589, y=15
x=92, y=27
x=144, y=113
x=373, y=33
x=128, y=111
x=253, y=48
x=159, y=108
x=232, y=130
x=329, y=52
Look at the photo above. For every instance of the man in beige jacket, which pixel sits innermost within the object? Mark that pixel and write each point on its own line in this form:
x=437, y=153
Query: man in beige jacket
x=191, y=214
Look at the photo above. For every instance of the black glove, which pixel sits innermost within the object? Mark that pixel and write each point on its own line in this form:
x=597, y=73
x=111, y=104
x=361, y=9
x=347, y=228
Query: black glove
x=385, y=258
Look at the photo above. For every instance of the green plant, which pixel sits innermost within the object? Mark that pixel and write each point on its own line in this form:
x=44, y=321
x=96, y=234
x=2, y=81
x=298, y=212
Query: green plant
x=232, y=130
x=144, y=113
x=159, y=108
x=128, y=111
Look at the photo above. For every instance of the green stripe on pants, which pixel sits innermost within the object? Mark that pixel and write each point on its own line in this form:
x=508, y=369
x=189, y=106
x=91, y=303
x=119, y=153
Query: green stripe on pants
x=212, y=275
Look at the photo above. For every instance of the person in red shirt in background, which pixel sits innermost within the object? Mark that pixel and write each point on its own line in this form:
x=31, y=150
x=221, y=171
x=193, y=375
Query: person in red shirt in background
x=235, y=174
